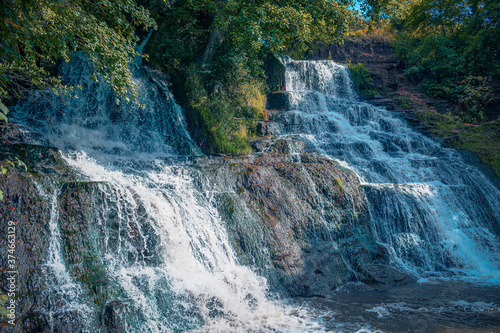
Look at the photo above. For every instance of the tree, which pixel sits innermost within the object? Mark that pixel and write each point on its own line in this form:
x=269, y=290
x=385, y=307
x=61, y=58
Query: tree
x=214, y=50
x=275, y=26
x=36, y=33
x=453, y=47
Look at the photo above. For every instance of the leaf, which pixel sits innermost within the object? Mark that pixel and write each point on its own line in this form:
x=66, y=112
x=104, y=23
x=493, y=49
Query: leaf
x=1, y=195
x=3, y=114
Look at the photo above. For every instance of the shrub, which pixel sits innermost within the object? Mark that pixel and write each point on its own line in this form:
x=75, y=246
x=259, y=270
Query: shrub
x=224, y=118
x=362, y=80
x=403, y=102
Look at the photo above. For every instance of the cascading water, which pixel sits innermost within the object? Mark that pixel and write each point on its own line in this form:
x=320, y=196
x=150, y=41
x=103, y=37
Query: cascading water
x=435, y=214
x=96, y=121
x=157, y=256
x=166, y=263
x=63, y=298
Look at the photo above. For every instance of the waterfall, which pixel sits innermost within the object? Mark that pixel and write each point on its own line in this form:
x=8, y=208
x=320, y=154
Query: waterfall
x=63, y=298
x=437, y=215
x=137, y=241
x=158, y=255
x=98, y=122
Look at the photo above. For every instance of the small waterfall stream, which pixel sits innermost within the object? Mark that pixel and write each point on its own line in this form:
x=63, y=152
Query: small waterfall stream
x=436, y=214
x=63, y=297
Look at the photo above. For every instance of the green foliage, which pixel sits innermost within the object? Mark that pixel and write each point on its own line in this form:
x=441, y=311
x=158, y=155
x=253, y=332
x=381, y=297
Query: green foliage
x=483, y=140
x=274, y=27
x=16, y=163
x=452, y=47
x=403, y=102
x=222, y=120
x=215, y=53
x=3, y=112
x=275, y=74
x=362, y=80
x=3, y=305
x=36, y=34
x=182, y=34
x=224, y=99
x=189, y=29
x=369, y=31
x=471, y=94
x=392, y=11
x=213, y=48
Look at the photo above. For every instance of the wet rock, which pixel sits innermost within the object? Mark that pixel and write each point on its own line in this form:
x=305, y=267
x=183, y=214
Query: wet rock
x=260, y=145
x=301, y=222
x=265, y=128
x=113, y=316
x=29, y=177
x=37, y=187
x=287, y=147
x=18, y=134
x=382, y=102
x=278, y=101
x=387, y=275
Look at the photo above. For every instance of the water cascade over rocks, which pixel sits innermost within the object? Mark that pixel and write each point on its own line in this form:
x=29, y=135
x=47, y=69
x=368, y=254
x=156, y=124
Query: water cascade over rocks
x=136, y=244
x=435, y=214
x=132, y=231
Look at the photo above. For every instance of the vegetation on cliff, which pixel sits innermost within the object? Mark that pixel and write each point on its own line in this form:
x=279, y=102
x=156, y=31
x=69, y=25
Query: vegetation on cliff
x=450, y=50
x=450, y=47
x=221, y=55
x=361, y=79
x=213, y=51
x=216, y=54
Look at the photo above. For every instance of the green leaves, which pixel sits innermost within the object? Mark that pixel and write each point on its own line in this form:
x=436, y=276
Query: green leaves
x=275, y=27
x=3, y=112
x=34, y=34
x=362, y=80
x=451, y=47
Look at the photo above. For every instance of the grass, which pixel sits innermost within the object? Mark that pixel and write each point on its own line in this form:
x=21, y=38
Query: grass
x=404, y=102
x=482, y=139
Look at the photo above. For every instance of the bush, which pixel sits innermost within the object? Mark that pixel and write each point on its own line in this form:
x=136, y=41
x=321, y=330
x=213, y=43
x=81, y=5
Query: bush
x=222, y=119
x=403, y=102
x=451, y=53
x=362, y=80
x=471, y=95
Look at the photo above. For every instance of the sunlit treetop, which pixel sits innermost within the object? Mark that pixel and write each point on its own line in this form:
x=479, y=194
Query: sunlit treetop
x=275, y=26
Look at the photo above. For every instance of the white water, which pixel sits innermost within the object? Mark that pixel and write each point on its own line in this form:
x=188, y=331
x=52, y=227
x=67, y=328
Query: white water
x=171, y=236
x=435, y=213
x=165, y=248
x=169, y=264
x=63, y=297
